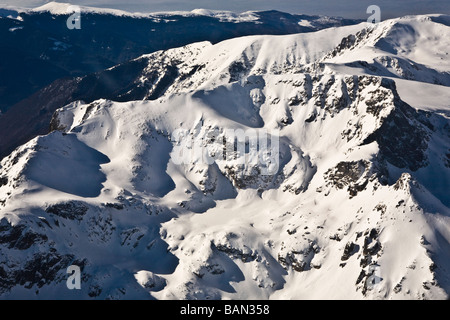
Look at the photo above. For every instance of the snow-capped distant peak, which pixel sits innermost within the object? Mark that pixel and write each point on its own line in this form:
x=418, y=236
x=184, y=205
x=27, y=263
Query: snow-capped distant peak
x=208, y=12
x=58, y=8
x=304, y=23
x=53, y=8
x=228, y=16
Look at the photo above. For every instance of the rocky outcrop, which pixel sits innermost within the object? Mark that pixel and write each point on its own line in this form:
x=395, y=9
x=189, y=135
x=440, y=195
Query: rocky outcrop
x=349, y=250
x=354, y=175
x=20, y=237
x=73, y=210
x=403, y=136
x=40, y=269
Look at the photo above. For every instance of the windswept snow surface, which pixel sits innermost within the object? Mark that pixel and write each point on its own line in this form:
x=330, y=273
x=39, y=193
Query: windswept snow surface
x=358, y=207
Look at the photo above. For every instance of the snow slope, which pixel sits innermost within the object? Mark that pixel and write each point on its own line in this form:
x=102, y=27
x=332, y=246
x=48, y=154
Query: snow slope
x=357, y=207
x=410, y=48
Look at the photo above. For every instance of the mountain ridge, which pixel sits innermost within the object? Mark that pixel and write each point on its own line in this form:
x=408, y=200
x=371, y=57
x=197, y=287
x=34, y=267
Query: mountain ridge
x=40, y=48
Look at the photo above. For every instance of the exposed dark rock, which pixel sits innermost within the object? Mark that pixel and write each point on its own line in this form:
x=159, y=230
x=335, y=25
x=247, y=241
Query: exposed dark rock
x=311, y=117
x=378, y=102
x=94, y=290
x=3, y=181
x=286, y=121
x=447, y=160
x=299, y=266
x=354, y=189
x=365, y=261
x=295, y=101
x=241, y=181
x=335, y=237
x=349, y=250
x=41, y=269
x=69, y=210
x=19, y=237
x=373, y=233
x=424, y=241
x=237, y=70
x=291, y=232
x=433, y=267
x=215, y=269
x=401, y=202
x=355, y=175
x=194, y=69
x=300, y=260
x=325, y=97
x=361, y=276
x=371, y=247
x=236, y=253
x=367, y=279
x=403, y=136
x=398, y=287
x=381, y=208
x=346, y=173
x=403, y=182
x=117, y=206
x=130, y=237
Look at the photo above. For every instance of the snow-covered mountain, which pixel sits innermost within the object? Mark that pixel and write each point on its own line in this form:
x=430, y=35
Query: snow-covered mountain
x=37, y=48
x=39, y=54
x=357, y=206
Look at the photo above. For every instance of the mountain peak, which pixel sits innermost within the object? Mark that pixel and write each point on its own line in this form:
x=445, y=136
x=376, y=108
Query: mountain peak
x=60, y=8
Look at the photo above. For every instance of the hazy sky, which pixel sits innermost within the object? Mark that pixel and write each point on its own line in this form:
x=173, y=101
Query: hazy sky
x=344, y=8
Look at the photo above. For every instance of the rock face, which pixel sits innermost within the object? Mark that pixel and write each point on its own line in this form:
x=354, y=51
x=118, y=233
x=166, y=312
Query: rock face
x=70, y=210
x=403, y=137
x=349, y=250
x=19, y=237
x=231, y=171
